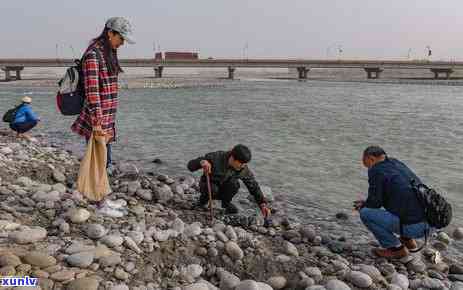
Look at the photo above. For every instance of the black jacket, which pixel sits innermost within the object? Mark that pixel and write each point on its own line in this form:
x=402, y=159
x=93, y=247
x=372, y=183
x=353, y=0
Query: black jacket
x=390, y=187
x=222, y=172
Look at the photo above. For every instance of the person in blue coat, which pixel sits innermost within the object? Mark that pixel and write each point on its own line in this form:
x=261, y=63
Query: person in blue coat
x=25, y=118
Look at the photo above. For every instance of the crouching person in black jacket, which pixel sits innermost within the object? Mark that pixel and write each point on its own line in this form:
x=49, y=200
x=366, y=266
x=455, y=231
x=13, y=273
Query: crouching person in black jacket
x=392, y=211
x=226, y=168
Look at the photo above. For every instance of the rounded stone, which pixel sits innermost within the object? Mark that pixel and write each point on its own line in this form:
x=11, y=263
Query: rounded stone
x=86, y=283
x=360, y=279
x=112, y=241
x=336, y=284
x=400, y=280
x=277, y=282
x=39, y=259
x=234, y=251
x=28, y=236
x=81, y=260
x=79, y=215
x=9, y=260
x=247, y=285
x=95, y=231
x=458, y=234
x=62, y=276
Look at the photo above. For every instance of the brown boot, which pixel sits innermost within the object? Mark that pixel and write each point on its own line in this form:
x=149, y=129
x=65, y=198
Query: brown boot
x=391, y=253
x=409, y=243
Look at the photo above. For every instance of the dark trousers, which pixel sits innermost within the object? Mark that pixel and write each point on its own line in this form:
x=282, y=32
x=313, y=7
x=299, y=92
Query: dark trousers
x=24, y=127
x=109, y=153
x=224, y=192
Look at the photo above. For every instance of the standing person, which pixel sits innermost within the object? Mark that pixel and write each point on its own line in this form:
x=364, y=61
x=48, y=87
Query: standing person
x=226, y=168
x=391, y=188
x=24, y=119
x=100, y=70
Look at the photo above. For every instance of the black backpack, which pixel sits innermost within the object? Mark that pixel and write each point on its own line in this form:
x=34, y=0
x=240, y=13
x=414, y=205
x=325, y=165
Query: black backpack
x=438, y=211
x=10, y=115
x=71, y=95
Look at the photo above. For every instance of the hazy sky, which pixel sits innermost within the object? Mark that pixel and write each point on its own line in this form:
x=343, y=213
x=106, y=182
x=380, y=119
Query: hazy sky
x=219, y=28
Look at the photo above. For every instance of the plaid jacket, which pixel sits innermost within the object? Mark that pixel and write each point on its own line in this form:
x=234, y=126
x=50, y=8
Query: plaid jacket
x=100, y=95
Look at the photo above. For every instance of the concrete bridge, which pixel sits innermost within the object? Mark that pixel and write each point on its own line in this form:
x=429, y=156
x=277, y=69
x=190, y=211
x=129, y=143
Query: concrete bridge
x=373, y=68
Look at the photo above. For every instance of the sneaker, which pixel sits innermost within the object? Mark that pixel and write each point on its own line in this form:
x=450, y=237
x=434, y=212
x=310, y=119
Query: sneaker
x=409, y=243
x=110, y=170
x=116, y=203
x=111, y=212
x=391, y=253
x=230, y=208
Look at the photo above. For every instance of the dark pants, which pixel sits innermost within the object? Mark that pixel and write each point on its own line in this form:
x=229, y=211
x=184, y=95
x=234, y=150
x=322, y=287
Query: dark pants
x=24, y=127
x=109, y=153
x=224, y=192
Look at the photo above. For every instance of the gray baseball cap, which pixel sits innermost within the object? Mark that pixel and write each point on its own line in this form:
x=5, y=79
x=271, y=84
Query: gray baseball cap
x=122, y=26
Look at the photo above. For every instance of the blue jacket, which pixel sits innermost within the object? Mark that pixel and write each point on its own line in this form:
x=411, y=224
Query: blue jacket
x=390, y=187
x=25, y=114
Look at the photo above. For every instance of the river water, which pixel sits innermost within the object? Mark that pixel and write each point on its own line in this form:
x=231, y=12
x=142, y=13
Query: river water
x=307, y=137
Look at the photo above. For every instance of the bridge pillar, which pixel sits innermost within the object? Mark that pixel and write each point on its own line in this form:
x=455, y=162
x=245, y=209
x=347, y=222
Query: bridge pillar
x=302, y=72
x=231, y=72
x=9, y=69
x=446, y=71
x=158, y=72
x=373, y=72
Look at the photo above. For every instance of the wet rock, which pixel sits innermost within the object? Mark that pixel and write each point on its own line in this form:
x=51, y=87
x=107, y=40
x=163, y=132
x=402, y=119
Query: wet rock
x=431, y=283
x=157, y=161
x=308, y=232
x=28, y=236
x=342, y=216
x=39, y=259
x=335, y=284
x=458, y=234
x=400, y=280
x=440, y=246
x=79, y=215
x=86, y=283
x=277, y=282
x=81, y=260
x=234, y=251
x=454, y=269
x=359, y=279
x=95, y=231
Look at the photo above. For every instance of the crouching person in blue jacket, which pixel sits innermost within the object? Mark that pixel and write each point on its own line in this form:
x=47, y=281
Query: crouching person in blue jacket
x=25, y=119
x=392, y=211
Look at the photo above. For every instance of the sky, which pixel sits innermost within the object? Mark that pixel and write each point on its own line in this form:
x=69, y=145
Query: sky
x=393, y=29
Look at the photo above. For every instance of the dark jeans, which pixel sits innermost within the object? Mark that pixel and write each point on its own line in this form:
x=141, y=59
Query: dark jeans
x=24, y=127
x=224, y=192
x=109, y=153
